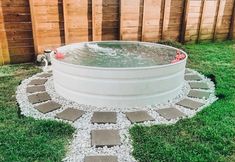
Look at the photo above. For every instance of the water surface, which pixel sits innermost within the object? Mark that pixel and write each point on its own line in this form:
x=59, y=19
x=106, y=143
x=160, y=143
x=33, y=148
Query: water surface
x=117, y=54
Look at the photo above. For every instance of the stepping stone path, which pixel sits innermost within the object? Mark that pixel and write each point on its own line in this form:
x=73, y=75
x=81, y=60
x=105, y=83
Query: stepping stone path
x=105, y=127
x=138, y=116
x=48, y=107
x=192, y=77
x=199, y=94
x=35, y=89
x=104, y=117
x=104, y=137
x=70, y=114
x=101, y=159
x=198, y=85
x=191, y=104
x=38, y=82
x=39, y=97
x=170, y=113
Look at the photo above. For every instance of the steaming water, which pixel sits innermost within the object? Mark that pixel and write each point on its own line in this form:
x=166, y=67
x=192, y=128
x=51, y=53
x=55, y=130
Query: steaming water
x=117, y=54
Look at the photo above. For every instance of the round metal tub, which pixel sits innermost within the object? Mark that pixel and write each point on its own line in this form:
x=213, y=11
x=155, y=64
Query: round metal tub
x=118, y=87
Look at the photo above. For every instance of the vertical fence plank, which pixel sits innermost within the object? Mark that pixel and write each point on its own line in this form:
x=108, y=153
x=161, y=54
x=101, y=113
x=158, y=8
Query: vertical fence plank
x=97, y=20
x=130, y=12
x=47, y=23
x=232, y=21
x=1, y=56
x=75, y=20
x=206, y=29
x=110, y=19
x=2, y=38
x=4, y=51
x=151, y=20
x=218, y=18
x=202, y=12
x=184, y=21
x=34, y=30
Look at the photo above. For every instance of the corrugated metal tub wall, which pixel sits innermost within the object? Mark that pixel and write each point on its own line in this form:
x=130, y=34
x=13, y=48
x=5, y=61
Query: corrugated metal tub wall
x=118, y=87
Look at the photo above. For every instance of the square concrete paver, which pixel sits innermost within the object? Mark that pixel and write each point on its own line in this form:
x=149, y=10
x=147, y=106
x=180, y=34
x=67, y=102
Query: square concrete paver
x=170, y=113
x=191, y=104
x=199, y=94
x=198, y=85
x=138, y=116
x=37, y=82
x=48, y=107
x=70, y=114
x=39, y=97
x=34, y=89
x=104, y=117
x=45, y=75
x=101, y=159
x=104, y=137
x=192, y=77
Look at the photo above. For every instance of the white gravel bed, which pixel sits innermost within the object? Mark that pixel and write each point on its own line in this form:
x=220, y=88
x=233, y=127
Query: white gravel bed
x=81, y=144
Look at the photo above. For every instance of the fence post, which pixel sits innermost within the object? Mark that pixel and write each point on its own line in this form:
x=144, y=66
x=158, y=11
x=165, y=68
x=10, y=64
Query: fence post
x=184, y=21
x=163, y=9
x=65, y=21
x=216, y=20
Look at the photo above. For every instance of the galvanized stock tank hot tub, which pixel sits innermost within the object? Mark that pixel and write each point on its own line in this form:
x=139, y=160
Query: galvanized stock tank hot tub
x=118, y=73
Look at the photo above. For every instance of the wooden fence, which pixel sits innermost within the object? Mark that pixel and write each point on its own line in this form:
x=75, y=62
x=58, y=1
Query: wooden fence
x=27, y=27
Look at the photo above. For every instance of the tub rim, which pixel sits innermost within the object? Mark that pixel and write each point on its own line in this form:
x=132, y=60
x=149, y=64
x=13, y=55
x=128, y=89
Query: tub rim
x=120, y=68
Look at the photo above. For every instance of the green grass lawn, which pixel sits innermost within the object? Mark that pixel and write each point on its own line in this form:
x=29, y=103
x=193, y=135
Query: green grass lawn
x=210, y=135
x=24, y=139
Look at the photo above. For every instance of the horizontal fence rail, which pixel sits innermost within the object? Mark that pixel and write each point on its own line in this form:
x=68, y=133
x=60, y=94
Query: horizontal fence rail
x=28, y=27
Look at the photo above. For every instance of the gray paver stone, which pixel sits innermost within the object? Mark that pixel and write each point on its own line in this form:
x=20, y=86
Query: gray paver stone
x=105, y=137
x=70, y=114
x=170, y=113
